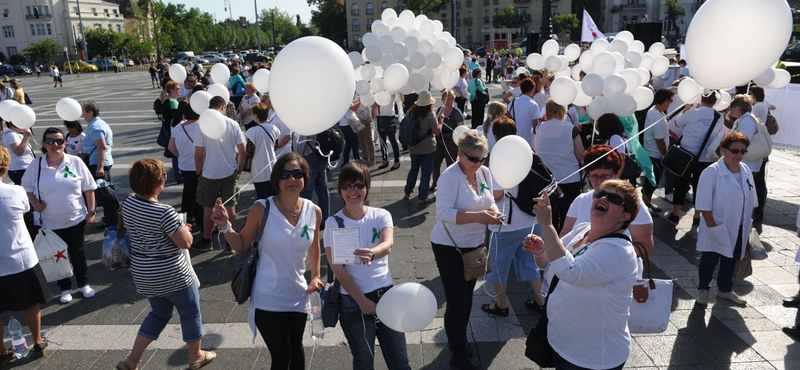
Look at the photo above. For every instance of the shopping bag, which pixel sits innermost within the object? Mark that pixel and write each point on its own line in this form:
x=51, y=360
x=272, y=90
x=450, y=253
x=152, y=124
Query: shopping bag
x=116, y=254
x=757, y=250
x=652, y=300
x=53, y=256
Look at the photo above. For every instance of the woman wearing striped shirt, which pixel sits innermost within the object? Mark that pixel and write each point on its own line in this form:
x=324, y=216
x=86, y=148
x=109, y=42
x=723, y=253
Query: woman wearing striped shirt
x=160, y=271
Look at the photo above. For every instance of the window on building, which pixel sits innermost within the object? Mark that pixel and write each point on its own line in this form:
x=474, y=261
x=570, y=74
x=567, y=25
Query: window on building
x=49, y=29
x=75, y=9
x=355, y=25
x=8, y=31
x=29, y=9
x=469, y=35
x=11, y=50
x=33, y=30
x=94, y=10
x=384, y=5
x=110, y=28
x=469, y=3
x=106, y=12
x=369, y=23
x=356, y=42
x=98, y=25
x=354, y=9
x=119, y=28
x=400, y=6
x=5, y=13
x=485, y=2
x=554, y=10
x=370, y=10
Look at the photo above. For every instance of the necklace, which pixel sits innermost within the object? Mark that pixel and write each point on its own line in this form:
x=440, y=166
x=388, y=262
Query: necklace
x=295, y=214
x=473, y=183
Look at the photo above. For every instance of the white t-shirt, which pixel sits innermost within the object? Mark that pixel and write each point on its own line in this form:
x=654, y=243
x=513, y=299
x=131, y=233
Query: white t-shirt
x=219, y=160
x=185, y=144
x=75, y=144
x=377, y=274
x=746, y=124
x=285, y=131
x=618, y=142
x=246, y=103
x=17, y=162
x=16, y=249
x=761, y=110
x=601, y=278
x=61, y=189
x=658, y=131
x=581, y=211
x=263, y=137
x=515, y=92
x=695, y=124
x=519, y=220
x=524, y=111
x=541, y=100
x=455, y=194
x=461, y=88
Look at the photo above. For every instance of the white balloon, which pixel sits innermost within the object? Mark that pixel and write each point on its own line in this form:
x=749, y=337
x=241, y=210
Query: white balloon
x=355, y=58
x=633, y=78
x=426, y=29
x=417, y=60
x=453, y=59
x=723, y=102
x=438, y=26
x=412, y=43
x=599, y=46
x=429, y=74
x=368, y=72
x=563, y=90
x=576, y=72
x=177, y=73
x=689, y=91
x=647, y=61
x=369, y=39
x=437, y=85
x=22, y=116
x=425, y=46
x=362, y=87
x=376, y=85
x=553, y=63
x=620, y=62
x=572, y=52
x=782, y=78
x=521, y=70
x=635, y=57
x=261, y=80
x=199, y=101
x=407, y=64
x=618, y=46
x=67, y=108
x=550, y=47
x=458, y=132
x=657, y=49
x=395, y=77
x=7, y=105
x=441, y=46
x=417, y=81
x=660, y=66
x=221, y=90
x=765, y=78
x=368, y=99
x=386, y=42
x=624, y=105
x=566, y=72
x=644, y=74
x=383, y=98
x=398, y=34
x=379, y=28
x=388, y=14
x=212, y=123
x=433, y=60
x=406, y=19
x=507, y=172
x=592, y=84
x=453, y=80
x=604, y=63
x=625, y=36
x=305, y=62
x=581, y=99
x=600, y=106
x=444, y=78
x=709, y=41
x=614, y=85
x=637, y=46
x=585, y=61
x=407, y=307
x=399, y=51
x=373, y=53
x=387, y=60
x=220, y=73
x=643, y=96
x=392, y=23
x=535, y=61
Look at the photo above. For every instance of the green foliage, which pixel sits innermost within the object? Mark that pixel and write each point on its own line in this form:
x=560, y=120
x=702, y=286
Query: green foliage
x=674, y=12
x=509, y=18
x=565, y=22
x=100, y=41
x=17, y=59
x=330, y=20
x=426, y=6
x=284, y=24
x=42, y=51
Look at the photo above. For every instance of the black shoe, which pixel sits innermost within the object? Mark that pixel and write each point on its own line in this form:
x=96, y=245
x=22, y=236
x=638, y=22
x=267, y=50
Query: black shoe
x=531, y=304
x=492, y=309
x=463, y=363
x=674, y=218
x=793, y=332
x=39, y=350
x=654, y=208
x=793, y=302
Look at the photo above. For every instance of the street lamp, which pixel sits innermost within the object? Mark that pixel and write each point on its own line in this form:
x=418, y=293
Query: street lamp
x=258, y=30
x=83, y=36
x=233, y=34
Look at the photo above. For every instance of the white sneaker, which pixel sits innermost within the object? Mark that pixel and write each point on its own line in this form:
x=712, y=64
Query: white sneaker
x=702, y=297
x=66, y=296
x=668, y=197
x=87, y=291
x=731, y=296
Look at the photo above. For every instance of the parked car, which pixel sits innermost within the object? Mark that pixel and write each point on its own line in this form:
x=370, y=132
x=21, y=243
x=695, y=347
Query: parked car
x=105, y=63
x=792, y=53
x=7, y=69
x=129, y=62
x=213, y=58
x=22, y=70
x=256, y=57
x=186, y=60
x=82, y=66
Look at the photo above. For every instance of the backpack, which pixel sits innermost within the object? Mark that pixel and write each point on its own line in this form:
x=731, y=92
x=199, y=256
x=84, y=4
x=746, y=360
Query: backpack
x=330, y=141
x=157, y=107
x=772, y=124
x=539, y=177
x=760, y=144
x=409, y=131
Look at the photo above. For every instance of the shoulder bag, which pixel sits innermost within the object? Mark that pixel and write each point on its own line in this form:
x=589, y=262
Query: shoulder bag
x=476, y=260
x=330, y=296
x=680, y=161
x=652, y=300
x=244, y=271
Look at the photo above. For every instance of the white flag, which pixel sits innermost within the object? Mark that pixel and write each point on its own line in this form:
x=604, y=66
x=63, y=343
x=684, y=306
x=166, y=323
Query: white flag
x=589, y=31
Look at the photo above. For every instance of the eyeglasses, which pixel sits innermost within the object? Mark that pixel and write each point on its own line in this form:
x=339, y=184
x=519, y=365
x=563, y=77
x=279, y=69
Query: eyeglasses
x=737, y=151
x=349, y=187
x=51, y=141
x=600, y=177
x=613, y=198
x=296, y=173
x=476, y=159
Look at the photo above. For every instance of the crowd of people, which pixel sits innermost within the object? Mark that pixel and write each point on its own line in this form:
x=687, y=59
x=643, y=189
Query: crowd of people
x=584, y=244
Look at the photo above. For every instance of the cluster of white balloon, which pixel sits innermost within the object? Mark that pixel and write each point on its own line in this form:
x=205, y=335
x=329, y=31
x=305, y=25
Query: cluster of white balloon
x=21, y=115
x=405, y=54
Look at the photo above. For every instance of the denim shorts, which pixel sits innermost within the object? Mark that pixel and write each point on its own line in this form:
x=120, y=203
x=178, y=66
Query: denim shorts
x=187, y=302
x=505, y=248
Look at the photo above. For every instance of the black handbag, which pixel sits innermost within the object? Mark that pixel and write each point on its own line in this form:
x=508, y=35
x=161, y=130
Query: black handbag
x=244, y=271
x=330, y=298
x=680, y=161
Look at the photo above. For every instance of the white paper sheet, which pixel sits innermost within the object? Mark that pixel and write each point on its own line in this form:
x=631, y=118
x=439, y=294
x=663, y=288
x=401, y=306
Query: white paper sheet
x=344, y=242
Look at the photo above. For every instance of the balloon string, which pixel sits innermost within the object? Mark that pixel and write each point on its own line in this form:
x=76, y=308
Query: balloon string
x=317, y=148
x=241, y=189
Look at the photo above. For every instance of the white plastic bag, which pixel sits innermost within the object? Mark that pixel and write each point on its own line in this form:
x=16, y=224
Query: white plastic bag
x=757, y=250
x=53, y=256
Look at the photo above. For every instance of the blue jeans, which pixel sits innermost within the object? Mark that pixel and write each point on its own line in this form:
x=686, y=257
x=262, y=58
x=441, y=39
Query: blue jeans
x=425, y=162
x=176, y=172
x=361, y=331
x=187, y=302
x=350, y=144
x=505, y=247
x=708, y=261
x=318, y=182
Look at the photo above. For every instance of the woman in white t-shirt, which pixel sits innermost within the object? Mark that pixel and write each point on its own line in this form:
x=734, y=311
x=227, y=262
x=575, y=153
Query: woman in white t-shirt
x=263, y=137
x=18, y=141
x=181, y=144
x=364, y=279
x=75, y=137
x=250, y=98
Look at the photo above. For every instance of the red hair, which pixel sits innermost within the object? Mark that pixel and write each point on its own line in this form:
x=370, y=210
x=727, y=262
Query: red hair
x=613, y=161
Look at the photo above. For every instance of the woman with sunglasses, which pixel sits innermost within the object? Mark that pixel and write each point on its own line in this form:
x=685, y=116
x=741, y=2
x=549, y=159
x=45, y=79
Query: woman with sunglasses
x=606, y=164
x=726, y=197
x=464, y=207
x=61, y=190
x=160, y=270
x=558, y=144
x=279, y=300
x=365, y=280
x=422, y=153
x=596, y=267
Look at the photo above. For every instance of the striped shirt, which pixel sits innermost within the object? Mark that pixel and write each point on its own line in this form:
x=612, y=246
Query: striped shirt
x=157, y=264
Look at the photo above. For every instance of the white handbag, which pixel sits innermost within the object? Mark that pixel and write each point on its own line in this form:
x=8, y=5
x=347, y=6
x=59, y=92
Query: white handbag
x=652, y=301
x=53, y=256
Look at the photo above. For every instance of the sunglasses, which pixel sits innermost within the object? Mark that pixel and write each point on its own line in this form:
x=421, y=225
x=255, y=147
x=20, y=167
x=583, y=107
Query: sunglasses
x=737, y=151
x=296, y=173
x=613, y=198
x=353, y=186
x=476, y=159
x=51, y=141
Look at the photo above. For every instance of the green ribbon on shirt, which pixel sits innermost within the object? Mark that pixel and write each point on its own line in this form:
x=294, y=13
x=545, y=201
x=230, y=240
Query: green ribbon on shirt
x=374, y=234
x=484, y=187
x=305, y=232
x=67, y=172
x=749, y=184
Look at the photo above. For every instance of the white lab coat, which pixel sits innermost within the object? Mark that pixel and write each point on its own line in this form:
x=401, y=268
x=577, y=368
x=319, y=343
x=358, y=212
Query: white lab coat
x=731, y=203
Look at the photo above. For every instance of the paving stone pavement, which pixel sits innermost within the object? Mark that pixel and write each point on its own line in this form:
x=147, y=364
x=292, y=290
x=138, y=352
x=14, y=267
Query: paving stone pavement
x=97, y=333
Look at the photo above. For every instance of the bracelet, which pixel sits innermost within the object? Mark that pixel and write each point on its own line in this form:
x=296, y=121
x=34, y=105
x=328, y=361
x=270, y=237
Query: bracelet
x=371, y=256
x=540, y=254
x=226, y=229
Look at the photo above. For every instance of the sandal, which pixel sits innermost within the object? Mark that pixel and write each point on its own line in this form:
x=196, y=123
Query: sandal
x=533, y=305
x=39, y=350
x=495, y=310
x=383, y=165
x=396, y=166
x=122, y=365
x=425, y=201
x=208, y=356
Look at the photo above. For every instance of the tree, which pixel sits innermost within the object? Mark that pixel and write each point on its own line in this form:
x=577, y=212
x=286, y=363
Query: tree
x=426, y=6
x=101, y=41
x=42, y=51
x=284, y=24
x=509, y=18
x=329, y=19
x=565, y=22
x=674, y=12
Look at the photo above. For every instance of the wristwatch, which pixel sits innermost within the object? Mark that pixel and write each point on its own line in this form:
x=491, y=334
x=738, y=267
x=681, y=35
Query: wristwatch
x=92, y=212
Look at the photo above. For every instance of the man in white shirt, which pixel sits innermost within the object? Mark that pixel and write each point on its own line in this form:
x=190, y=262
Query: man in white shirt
x=655, y=141
x=218, y=169
x=525, y=112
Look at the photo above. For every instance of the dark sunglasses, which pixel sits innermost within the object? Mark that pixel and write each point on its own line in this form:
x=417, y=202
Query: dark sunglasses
x=737, y=151
x=296, y=173
x=353, y=186
x=476, y=159
x=51, y=141
x=613, y=198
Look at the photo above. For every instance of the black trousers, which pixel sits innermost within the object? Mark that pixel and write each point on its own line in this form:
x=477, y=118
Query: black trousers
x=682, y=185
x=458, y=295
x=73, y=236
x=283, y=334
x=106, y=197
x=760, y=178
x=189, y=198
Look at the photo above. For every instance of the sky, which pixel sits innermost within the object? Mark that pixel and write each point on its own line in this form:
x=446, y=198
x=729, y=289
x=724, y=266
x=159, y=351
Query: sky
x=246, y=8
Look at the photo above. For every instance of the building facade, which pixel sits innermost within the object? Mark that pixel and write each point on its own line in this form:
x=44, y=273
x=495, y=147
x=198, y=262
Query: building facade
x=27, y=21
x=473, y=18
x=618, y=14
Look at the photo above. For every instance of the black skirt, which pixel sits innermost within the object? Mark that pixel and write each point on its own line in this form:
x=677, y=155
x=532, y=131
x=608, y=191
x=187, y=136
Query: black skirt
x=22, y=290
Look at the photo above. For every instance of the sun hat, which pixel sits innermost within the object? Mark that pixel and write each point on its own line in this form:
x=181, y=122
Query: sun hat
x=425, y=99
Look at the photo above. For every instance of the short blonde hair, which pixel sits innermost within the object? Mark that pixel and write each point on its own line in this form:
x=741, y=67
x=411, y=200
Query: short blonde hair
x=250, y=86
x=629, y=195
x=448, y=92
x=555, y=110
x=473, y=141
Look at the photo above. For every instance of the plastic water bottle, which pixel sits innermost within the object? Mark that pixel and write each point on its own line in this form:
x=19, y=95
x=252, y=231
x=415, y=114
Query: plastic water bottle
x=102, y=183
x=315, y=316
x=17, y=340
